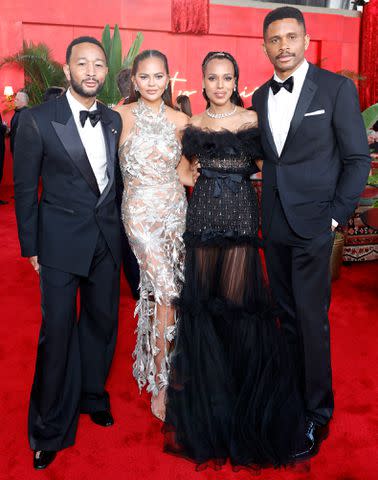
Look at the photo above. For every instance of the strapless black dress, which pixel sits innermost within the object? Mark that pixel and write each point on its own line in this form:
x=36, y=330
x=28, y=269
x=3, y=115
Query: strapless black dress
x=232, y=391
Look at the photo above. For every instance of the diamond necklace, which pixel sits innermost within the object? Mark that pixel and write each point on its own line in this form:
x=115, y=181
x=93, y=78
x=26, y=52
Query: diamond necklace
x=220, y=115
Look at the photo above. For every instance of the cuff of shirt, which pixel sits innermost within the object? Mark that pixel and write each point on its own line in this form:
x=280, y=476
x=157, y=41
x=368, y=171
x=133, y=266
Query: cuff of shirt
x=334, y=223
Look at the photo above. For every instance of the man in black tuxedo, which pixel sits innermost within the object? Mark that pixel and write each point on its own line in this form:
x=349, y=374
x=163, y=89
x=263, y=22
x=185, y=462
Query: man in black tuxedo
x=72, y=238
x=316, y=162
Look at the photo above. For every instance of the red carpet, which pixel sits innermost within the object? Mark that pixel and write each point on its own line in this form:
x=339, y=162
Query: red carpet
x=132, y=449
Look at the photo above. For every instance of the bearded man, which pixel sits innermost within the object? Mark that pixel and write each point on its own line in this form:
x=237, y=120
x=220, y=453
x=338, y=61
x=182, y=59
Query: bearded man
x=71, y=236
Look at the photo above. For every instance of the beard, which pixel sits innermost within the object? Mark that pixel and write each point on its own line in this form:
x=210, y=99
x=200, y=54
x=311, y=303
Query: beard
x=82, y=91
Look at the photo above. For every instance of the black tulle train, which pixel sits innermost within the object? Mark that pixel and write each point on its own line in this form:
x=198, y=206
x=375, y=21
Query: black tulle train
x=232, y=391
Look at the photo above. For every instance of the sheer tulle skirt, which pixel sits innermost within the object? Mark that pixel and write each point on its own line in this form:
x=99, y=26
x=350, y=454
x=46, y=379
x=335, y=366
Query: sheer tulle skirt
x=232, y=391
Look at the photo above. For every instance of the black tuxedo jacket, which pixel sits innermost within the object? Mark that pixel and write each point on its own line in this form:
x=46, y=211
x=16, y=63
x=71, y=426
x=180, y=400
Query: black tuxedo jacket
x=62, y=228
x=325, y=161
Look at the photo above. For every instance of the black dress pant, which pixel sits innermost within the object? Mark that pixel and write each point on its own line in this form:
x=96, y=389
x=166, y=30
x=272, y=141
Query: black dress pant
x=74, y=354
x=299, y=274
x=130, y=265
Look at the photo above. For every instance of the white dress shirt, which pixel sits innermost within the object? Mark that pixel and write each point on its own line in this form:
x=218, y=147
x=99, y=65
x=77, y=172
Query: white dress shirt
x=281, y=106
x=92, y=139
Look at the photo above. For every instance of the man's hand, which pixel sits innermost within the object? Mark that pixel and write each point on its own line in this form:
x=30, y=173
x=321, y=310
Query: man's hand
x=34, y=262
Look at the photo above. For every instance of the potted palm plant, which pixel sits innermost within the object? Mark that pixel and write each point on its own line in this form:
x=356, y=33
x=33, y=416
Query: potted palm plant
x=110, y=94
x=40, y=69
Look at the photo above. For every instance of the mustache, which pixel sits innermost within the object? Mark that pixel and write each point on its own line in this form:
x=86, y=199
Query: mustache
x=285, y=54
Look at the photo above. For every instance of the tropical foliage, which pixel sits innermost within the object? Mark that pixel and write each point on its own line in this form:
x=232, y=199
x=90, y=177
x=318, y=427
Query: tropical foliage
x=113, y=48
x=370, y=116
x=41, y=71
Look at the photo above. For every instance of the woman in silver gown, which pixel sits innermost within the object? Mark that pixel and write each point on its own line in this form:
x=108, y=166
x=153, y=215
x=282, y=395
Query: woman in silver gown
x=153, y=213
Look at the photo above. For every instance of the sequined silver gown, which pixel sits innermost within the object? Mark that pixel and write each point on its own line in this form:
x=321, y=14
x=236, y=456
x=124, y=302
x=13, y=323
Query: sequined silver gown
x=153, y=213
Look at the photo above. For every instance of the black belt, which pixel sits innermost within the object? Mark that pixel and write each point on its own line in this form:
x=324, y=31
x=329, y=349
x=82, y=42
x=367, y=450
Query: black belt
x=229, y=180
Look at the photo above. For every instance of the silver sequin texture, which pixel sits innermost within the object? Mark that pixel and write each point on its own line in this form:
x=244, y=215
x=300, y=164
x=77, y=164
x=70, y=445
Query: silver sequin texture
x=153, y=213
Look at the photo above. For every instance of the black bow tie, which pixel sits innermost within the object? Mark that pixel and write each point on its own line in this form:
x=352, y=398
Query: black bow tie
x=94, y=117
x=287, y=85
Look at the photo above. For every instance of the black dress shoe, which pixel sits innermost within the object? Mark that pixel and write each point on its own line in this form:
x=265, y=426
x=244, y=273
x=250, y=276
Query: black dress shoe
x=103, y=418
x=313, y=438
x=43, y=458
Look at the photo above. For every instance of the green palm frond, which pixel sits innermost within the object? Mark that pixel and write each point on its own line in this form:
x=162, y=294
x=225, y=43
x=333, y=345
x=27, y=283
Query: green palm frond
x=106, y=42
x=351, y=74
x=40, y=70
x=370, y=116
x=133, y=51
x=110, y=94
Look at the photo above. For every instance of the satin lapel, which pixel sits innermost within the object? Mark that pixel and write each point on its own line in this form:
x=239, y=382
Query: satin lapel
x=308, y=91
x=265, y=118
x=66, y=130
x=110, y=145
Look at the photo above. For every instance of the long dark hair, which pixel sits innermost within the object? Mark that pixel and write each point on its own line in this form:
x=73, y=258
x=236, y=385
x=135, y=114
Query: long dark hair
x=183, y=102
x=235, y=97
x=167, y=95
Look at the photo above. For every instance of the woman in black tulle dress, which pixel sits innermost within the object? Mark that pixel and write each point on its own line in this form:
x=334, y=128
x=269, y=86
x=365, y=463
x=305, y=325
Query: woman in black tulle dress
x=232, y=394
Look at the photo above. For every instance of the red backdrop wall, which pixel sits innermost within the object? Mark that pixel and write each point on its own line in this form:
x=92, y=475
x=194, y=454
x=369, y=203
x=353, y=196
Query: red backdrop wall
x=335, y=38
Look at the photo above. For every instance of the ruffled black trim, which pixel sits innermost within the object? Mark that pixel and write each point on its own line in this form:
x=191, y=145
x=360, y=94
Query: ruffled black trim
x=197, y=142
x=221, y=239
x=218, y=306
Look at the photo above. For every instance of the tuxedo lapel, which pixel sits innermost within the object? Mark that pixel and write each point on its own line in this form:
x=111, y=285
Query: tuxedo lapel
x=110, y=145
x=307, y=93
x=66, y=130
x=264, y=120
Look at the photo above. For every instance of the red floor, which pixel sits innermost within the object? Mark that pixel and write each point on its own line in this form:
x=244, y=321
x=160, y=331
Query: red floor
x=132, y=449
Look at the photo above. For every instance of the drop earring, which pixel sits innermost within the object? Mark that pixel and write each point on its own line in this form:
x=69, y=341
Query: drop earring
x=136, y=88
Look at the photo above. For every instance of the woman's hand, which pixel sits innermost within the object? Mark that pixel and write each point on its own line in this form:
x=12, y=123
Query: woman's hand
x=259, y=164
x=187, y=172
x=194, y=169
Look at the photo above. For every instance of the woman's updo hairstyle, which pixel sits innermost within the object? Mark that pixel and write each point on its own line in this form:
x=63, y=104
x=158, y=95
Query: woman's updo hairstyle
x=134, y=95
x=235, y=97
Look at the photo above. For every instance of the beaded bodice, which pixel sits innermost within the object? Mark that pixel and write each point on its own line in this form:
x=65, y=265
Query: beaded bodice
x=151, y=151
x=223, y=206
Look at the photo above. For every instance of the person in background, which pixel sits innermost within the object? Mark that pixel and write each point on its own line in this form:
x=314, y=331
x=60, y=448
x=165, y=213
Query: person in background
x=124, y=84
x=183, y=104
x=21, y=102
x=53, y=92
x=3, y=131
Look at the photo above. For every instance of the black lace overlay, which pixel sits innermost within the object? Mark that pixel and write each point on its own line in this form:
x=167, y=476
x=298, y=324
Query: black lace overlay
x=223, y=199
x=232, y=392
